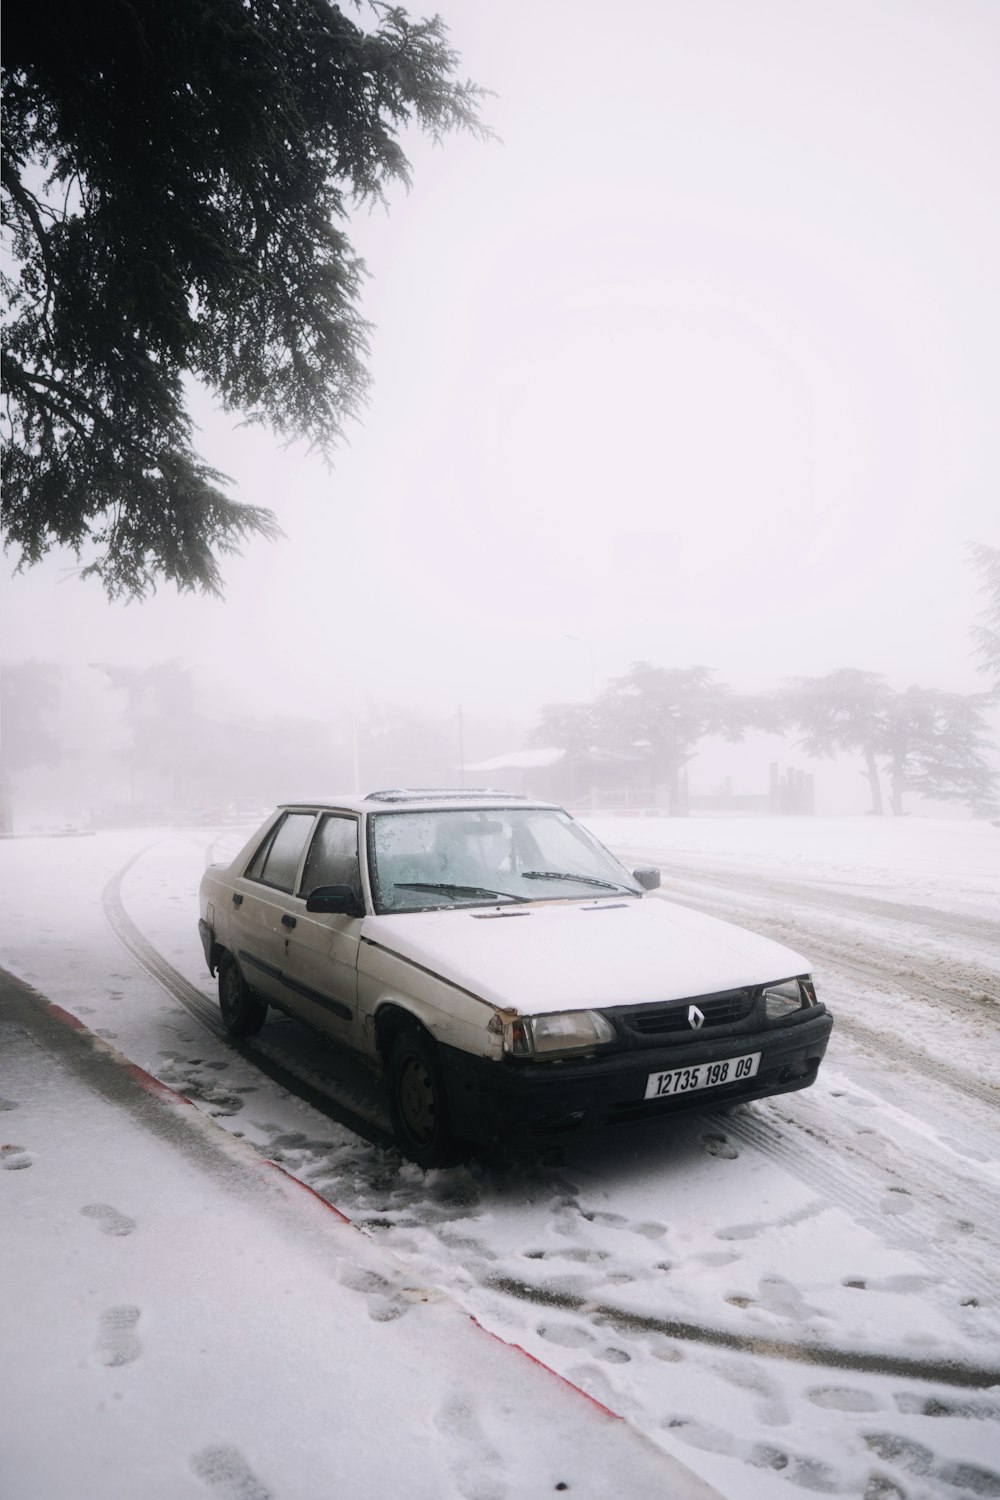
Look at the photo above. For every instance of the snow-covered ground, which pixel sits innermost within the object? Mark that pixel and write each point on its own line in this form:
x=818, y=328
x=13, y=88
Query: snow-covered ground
x=800, y=1296
x=951, y=865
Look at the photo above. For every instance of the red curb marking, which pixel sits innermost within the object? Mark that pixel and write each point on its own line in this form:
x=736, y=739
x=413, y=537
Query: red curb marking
x=153, y=1086
x=66, y=1017
x=266, y=1164
x=549, y=1370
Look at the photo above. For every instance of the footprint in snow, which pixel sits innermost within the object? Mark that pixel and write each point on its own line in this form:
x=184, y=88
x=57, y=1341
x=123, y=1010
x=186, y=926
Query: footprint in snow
x=566, y=1335
x=915, y=1458
x=718, y=1145
x=119, y=1341
x=784, y=1300
x=14, y=1158
x=571, y=1336
x=580, y=1256
x=809, y=1473
x=229, y=1474
x=770, y=1409
x=474, y=1460
x=613, y=1356
x=650, y=1230
x=385, y=1303
x=6, y=1104
x=612, y=1220
x=739, y=1232
x=974, y=1410
x=108, y=1219
x=843, y=1398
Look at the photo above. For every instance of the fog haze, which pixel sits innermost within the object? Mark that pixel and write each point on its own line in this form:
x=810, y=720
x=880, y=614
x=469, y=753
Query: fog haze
x=695, y=364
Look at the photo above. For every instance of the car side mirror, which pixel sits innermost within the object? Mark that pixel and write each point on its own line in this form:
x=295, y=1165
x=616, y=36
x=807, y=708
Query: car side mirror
x=337, y=900
x=648, y=877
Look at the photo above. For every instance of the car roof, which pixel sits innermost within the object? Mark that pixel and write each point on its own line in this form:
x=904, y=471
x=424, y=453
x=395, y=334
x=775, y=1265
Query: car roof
x=422, y=799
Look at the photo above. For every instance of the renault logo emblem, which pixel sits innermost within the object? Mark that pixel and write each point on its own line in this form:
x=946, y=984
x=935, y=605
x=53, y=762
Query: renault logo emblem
x=696, y=1017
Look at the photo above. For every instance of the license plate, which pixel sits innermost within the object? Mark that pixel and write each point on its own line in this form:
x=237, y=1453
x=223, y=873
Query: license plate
x=701, y=1076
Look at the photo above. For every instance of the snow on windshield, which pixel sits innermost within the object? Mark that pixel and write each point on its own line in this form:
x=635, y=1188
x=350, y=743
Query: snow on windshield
x=465, y=855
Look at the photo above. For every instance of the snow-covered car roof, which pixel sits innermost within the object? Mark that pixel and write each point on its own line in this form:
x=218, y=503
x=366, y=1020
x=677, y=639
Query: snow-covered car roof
x=421, y=799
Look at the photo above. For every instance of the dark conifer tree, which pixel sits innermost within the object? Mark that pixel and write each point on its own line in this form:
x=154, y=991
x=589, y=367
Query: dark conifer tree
x=176, y=182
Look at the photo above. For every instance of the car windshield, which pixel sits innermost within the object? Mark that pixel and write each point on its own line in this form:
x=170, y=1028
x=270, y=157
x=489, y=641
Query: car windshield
x=482, y=856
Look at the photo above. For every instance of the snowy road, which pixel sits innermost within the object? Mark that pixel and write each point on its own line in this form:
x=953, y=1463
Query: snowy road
x=798, y=1296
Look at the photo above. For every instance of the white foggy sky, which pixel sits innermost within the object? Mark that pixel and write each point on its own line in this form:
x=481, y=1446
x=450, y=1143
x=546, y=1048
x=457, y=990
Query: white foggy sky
x=698, y=365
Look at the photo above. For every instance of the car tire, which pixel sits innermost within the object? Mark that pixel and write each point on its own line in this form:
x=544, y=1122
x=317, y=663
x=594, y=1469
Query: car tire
x=418, y=1101
x=243, y=1012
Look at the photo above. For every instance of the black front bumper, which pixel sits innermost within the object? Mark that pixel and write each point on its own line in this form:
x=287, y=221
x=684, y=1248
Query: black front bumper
x=492, y=1101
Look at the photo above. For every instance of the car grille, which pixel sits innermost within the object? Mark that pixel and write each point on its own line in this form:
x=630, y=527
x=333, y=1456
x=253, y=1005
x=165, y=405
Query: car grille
x=662, y=1020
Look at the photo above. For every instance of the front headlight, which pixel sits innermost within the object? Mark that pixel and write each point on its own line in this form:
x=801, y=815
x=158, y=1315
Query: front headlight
x=556, y=1035
x=793, y=994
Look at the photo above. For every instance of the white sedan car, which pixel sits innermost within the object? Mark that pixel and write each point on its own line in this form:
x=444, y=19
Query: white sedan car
x=500, y=968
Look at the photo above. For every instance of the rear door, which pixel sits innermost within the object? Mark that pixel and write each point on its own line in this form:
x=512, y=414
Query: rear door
x=320, y=962
x=263, y=913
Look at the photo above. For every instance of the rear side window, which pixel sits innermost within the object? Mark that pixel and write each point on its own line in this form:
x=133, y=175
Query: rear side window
x=276, y=862
x=333, y=855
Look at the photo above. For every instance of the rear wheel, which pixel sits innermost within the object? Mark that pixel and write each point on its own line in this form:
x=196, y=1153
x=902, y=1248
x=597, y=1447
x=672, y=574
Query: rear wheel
x=243, y=1012
x=418, y=1102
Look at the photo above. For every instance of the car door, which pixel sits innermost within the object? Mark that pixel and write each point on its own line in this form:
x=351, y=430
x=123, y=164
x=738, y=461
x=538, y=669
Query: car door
x=262, y=903
x=320, y=961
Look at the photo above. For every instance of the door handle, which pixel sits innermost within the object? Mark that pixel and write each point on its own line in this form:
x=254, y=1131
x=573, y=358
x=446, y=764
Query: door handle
x=287, y=921
x=237, y=899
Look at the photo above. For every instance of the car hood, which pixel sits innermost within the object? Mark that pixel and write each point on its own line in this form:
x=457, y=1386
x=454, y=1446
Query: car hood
x=578, y=955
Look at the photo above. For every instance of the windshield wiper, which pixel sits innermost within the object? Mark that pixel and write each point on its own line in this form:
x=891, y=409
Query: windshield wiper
x=454, y=890
x=607, y=885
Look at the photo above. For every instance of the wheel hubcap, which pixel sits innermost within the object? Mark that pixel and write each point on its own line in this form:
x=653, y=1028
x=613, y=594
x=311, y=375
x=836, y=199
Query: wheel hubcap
x=416, y=1100
x=231, y=993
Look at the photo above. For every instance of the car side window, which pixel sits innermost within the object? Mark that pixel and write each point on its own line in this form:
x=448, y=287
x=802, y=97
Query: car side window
x=333, y=855
x=276, y=862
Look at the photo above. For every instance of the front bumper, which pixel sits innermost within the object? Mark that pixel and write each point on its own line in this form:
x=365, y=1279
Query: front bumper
x=492, y=1101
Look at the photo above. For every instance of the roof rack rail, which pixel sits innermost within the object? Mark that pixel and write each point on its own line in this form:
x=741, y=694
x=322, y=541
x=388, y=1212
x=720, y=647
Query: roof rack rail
x=434, y=794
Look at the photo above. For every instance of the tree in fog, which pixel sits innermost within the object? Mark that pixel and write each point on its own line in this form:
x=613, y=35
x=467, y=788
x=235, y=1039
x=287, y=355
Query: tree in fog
x=934, y=745
x=986, y=631
x=842, y=712
x=29, y=703
x=165, y=730
x=572, y=727
x=926, y=741
x=668, y=710
x=176, y=179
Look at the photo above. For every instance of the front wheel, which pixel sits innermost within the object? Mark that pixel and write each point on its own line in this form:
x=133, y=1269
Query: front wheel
x=418, y=1103
x=243, y=1012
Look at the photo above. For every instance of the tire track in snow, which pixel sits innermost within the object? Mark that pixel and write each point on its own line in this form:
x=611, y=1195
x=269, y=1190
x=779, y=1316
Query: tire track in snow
x=148, y=957
x=822, y=898
x=861, y=1180
x=943, y=1371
